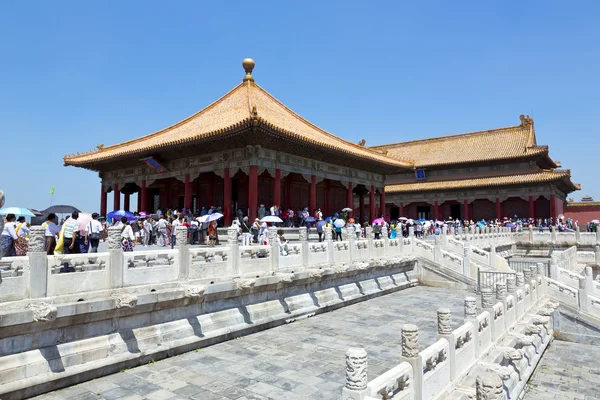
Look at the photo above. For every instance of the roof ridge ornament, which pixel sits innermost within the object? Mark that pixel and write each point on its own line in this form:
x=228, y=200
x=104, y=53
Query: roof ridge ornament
x=526, y=121
x=248, y=65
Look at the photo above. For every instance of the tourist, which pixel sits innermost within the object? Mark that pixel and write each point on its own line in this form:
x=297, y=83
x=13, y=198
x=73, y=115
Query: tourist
x=94, y=231
x=357, y=229
x=162, y=237
x=9, y=236
x=147, y=227
x=212, y=234
x=319, y=215
x=51, y=233
x=377, y=231
x=246, y=229
x=393, y=231
x=264, y=234
x=21, y=244
x=127, y=236
x=70, y=234
x=255, y=230
x=261, y=211
x=338, y=232
x=319, y=227
x=283, y=243
x=176, y=222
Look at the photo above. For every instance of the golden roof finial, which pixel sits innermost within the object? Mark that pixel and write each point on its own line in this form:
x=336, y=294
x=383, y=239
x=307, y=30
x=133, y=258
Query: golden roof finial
x=248, y=65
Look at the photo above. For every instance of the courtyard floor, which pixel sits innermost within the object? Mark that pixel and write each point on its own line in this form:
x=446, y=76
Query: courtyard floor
x=567, y=371
x=302, y=360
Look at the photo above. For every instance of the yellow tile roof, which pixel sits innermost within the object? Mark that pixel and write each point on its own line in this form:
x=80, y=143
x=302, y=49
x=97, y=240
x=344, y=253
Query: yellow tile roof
x=497, y=144
x=243, y=105
x=582, y=204
x=536, y=177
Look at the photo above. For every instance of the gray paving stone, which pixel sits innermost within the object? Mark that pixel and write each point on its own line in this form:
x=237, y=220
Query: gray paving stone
x=302, y=360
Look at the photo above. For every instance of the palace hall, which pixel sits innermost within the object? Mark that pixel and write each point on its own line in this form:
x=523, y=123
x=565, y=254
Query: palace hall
x=247, y=148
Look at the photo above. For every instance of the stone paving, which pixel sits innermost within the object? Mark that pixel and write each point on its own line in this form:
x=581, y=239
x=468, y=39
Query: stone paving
x=567, y=371
x=302, y=360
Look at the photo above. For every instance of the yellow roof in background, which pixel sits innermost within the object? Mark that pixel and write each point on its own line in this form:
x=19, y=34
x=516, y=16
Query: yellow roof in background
x=497, y=144
x=536, y=177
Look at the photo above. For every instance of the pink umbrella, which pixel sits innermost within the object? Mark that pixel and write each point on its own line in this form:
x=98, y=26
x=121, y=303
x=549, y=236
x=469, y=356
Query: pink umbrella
x=378, y=221
x=84, y=219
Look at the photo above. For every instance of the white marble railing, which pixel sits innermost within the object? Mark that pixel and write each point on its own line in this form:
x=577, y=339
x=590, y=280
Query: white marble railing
x=533, y=237
x=486, y=341
x=37, y=275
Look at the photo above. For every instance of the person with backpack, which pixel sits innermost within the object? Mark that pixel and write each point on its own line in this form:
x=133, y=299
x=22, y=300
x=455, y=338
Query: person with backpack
x=127, y=236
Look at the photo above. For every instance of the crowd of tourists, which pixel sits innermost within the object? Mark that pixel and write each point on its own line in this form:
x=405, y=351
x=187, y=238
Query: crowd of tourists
x=82, y=235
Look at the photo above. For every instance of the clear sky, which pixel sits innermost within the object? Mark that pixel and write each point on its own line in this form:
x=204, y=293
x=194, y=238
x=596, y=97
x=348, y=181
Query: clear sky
x=74, y=74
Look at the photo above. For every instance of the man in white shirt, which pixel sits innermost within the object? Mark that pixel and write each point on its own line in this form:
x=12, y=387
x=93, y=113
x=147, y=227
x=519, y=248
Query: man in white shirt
x=93, y=233
x=147, y=231
x=176, y=222
x=162, y=232
x=51, y=233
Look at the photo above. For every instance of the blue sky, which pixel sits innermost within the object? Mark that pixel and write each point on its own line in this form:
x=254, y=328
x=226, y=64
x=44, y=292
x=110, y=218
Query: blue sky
x=75, y=74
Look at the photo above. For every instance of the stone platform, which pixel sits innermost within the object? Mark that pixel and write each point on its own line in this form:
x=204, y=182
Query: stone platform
x=568, y=371
x=301, y=360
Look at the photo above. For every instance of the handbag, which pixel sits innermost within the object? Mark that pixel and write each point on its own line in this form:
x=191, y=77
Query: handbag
x=94, y=235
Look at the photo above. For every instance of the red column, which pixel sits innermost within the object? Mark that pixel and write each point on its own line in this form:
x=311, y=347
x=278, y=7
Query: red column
x=436, y=210
x=553, y=206
x=372, y=204
x=102, y=200
x=466, y=207
x=253, y=192
x=531, y=207
x=382, y=202
x=227, y=197
x=401, y=210
x=144, y=195
x=211, y=191
x=116, y=197
x=277, y=188
x=126, y=205
x=349, y=198
x=361, y=207
x=187, y=192
x=313, y=194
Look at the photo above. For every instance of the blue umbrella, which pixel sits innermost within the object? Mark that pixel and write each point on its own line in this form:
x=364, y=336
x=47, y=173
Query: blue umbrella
x=321, y=224
x=18, y=211
x=422, y=220
x=118, y=214
x=309, y=219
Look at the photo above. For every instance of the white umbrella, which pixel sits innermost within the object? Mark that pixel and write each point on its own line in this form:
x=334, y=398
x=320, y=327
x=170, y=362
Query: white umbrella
x=403, y=219
x=339, y=223
x=210, y=217
x=271, y=218
x=410, y=221
x=347, y=209
x=595, y=221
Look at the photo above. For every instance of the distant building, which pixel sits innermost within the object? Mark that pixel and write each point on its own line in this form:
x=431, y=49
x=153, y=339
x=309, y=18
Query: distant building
x=247, y=149
x=587, y=198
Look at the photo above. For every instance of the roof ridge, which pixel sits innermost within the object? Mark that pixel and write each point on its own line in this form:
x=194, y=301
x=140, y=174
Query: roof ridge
x=170, y=127
x=323, y=131
x=452, y=136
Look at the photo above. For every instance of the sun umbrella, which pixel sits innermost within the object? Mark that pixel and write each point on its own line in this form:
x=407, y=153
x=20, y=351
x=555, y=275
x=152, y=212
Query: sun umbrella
x=347, y=209
x=351, y=221
x=339, y=223
x=142, y=214
x=378, y=221
x=202, y=219
x=321, y=224
x=271, y=218
x=213, y=217
x=18, y=211
x=410, y=221
x=403, y=219
x=60, y=209
x=595, y=221
x=84, y=219
x=309, y=219
x=422, y=220
x=118, y=214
